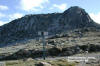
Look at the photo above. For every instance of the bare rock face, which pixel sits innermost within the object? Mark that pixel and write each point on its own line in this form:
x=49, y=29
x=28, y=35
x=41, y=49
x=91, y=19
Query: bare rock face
x=28, y=26
x=74, y=18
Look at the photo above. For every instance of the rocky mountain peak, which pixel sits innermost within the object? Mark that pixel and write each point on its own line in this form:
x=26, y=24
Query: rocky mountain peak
x=74, y=9
x=28, y=27
x=75, y=17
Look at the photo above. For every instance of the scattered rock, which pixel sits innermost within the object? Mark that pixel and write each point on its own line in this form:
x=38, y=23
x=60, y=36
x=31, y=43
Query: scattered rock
x=54, y=51
x=43, y=64
x=29, y=59
x=52, y=42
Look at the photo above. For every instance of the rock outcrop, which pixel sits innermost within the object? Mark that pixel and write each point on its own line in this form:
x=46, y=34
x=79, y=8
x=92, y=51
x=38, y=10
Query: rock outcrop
x=54, y=51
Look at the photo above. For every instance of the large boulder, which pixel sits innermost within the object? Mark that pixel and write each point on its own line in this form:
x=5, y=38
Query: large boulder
x=54, y=51
x=23, y=53
x=37, y=53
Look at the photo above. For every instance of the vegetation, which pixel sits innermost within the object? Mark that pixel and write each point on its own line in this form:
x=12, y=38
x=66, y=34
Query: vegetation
x=59, y=62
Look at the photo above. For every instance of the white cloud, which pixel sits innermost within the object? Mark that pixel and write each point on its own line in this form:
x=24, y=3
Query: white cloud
x=2, y=15
x=10, y=17
x=15, y=16
x=95, y=17
x=62, y=7
x=2, y=23
x=32, y=5
x=2, y=7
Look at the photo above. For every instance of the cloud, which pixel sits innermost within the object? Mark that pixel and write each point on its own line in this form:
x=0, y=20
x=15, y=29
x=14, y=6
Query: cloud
x=2, y=23
x=2, y=7
x=61, y=7
x=9, y=17
x=32, y=5
x=2, y=15
x=95, y=17
x=15, y=16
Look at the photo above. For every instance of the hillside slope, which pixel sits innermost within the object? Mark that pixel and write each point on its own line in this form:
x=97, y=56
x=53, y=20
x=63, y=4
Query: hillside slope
x=28, y=26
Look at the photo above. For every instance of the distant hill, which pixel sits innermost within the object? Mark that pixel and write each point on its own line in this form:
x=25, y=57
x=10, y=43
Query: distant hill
x=28, y=26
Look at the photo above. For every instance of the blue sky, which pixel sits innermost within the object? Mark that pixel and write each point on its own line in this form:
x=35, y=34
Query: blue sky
x=13, y=9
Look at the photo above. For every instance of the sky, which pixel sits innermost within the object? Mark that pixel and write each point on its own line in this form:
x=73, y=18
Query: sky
x=13, y=9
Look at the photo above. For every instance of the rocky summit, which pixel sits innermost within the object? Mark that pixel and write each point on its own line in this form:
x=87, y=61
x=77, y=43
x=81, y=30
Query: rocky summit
x=28, y=26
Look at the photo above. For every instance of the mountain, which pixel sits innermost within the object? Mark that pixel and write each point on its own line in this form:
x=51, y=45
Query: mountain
x=28, y=26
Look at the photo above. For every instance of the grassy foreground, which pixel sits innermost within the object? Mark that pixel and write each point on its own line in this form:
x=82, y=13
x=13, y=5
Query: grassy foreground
x=59, y=62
